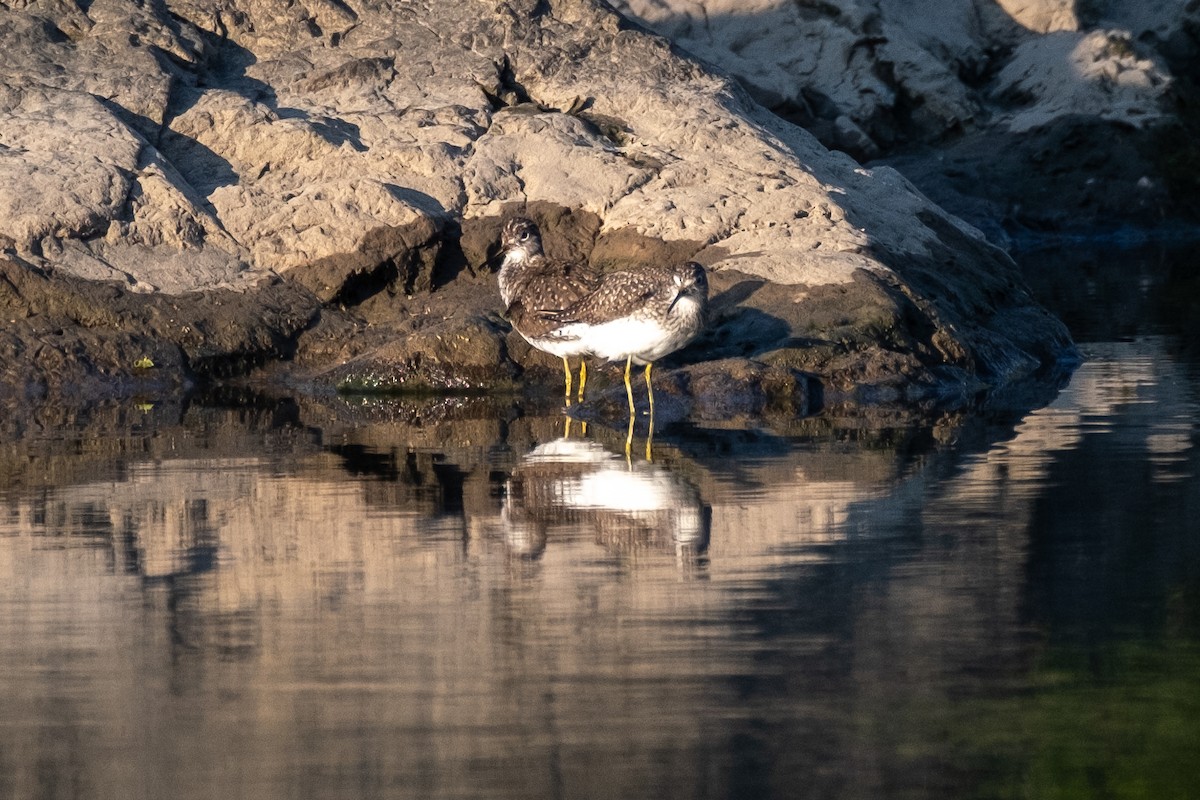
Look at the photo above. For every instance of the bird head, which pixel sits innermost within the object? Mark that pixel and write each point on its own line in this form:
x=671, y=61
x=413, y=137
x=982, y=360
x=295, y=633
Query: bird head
x=690, y=281
x=520, y=234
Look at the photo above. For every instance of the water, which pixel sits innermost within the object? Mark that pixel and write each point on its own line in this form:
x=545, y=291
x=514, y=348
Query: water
x=296, y=599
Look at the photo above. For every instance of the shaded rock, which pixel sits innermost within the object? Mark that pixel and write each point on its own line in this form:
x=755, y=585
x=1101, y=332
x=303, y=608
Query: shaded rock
x=889, y=70
x=80, y=338
x=455, y=356
x=920, y=70
x=405, y=255
x=1075, y=176
x=1099, y=74
x=725, y=389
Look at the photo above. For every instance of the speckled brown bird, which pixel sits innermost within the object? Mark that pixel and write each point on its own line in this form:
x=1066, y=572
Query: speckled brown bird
x=535, y=288
x=637, y=315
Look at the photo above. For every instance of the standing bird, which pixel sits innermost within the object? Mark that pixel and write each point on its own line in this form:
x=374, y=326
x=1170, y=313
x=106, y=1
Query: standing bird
x=535, y=288
x=639, y=316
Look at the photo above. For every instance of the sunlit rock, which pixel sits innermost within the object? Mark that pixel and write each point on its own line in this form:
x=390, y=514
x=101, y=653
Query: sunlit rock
x=1098, y=74
x=970, y=100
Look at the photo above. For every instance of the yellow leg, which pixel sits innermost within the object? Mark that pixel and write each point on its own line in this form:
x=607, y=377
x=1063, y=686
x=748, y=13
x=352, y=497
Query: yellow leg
x=650, y=389
x=582, y=377
x=628, y=388
x=567, y=373
x=629, y=394
x=650, y=433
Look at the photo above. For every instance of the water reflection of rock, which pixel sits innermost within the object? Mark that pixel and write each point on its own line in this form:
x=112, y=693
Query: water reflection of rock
x=321, y=589
x=628, y=506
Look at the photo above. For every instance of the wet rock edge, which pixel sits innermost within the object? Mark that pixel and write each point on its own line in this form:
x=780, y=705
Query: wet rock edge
x=417, y=313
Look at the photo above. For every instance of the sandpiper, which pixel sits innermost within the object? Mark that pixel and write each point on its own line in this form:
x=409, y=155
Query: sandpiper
x=535, y=288
x=639, y=316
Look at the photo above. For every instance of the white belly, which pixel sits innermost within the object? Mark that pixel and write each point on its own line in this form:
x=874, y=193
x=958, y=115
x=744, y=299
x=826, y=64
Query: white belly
x=559, y=345
x=643, y=338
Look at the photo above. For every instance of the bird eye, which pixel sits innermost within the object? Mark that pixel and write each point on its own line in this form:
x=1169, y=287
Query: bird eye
x=524, y=235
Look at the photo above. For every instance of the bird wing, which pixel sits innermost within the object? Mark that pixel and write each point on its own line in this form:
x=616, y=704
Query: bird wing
x=545, y=294
x=618, y=295
x=532, y=322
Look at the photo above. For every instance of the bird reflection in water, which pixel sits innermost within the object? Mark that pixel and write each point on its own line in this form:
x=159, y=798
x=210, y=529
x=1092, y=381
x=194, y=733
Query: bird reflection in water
x=630, y=507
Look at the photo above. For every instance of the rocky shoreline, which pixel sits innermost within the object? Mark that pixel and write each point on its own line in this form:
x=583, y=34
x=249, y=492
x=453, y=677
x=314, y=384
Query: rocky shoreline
x=309, y=200
x=768, y=348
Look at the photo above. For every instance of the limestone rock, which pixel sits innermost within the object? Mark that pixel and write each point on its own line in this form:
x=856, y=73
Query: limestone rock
x=872, y=62
x=365, y=151
x=861, y=60
x=289, y=144
x=1043, y=16
x=1097, y=74
x=909, y=81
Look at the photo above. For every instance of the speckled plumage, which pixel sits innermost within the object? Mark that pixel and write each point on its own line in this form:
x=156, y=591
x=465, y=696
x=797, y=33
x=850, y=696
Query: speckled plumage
x=640, y=314
x=534, y=287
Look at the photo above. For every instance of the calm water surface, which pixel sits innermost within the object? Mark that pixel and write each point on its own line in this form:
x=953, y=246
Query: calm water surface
x=330, y=600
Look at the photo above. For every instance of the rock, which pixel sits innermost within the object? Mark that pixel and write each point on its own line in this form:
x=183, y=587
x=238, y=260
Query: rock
x=906, y=82
x=1043, y=16
x=456, y=356
x=193, y=153
x=1097, y=74
x=78, y=340
x=872, y=63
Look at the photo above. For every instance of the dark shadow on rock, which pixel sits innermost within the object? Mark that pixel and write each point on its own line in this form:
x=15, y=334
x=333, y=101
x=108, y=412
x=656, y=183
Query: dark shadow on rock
x=735, y=329
x=566, y=233
x=1077, y=175
x=91, y=339
x=964, y=307
x=204, y=169
x=626, y=248
x=398, y=259
x=425, y=203
x=745, y=332
x=889, y=127
x=335, y=131
x=149, y=129
x=738, y=293
x=452, y=261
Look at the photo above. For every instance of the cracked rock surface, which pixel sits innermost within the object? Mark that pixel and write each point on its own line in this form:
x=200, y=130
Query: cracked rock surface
x=346, y=166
